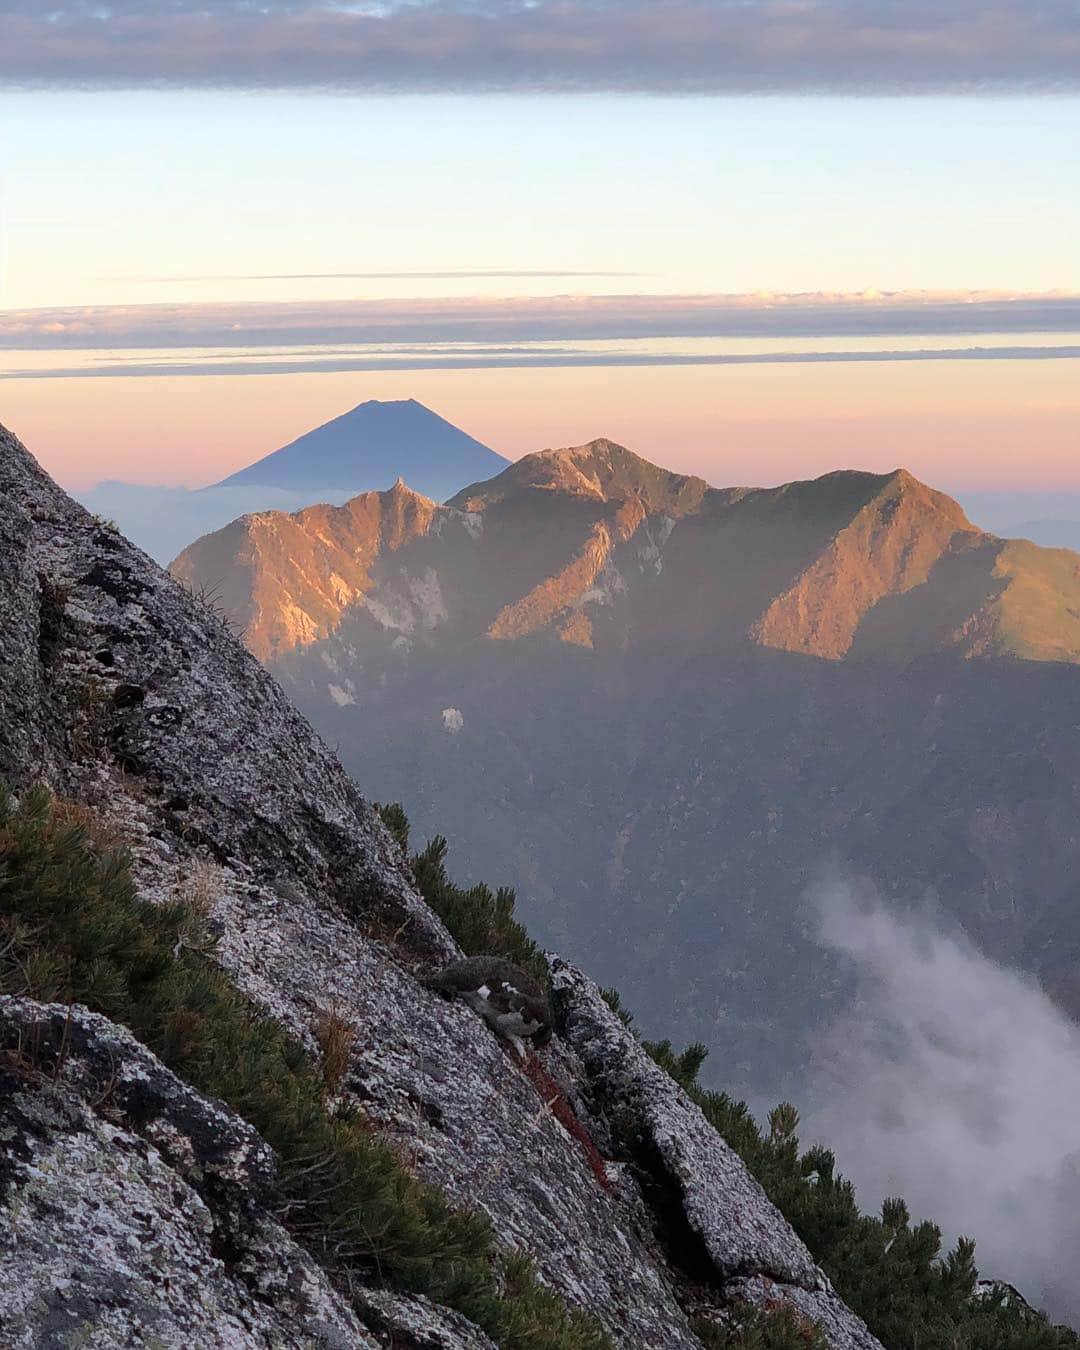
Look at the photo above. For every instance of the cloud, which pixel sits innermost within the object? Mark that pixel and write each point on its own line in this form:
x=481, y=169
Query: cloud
x=536, y=319
x=164, y=520
x=712, y=46
x=249, y=338
x=523, y=359
x=955, y=1082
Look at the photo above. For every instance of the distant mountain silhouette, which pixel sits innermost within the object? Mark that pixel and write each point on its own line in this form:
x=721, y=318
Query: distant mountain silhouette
x=372, y=446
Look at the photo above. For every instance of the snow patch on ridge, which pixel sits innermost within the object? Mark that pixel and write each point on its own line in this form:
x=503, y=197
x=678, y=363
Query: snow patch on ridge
x=418, y=605
x=427, y=596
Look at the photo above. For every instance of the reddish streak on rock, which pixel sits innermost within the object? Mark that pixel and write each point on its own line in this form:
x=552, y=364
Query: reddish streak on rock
x=560, y=1108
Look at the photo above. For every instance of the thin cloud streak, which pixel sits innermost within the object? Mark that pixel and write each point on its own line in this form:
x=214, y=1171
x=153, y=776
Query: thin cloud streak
x=668, y=46
x=337, y=365
x=482, y=273
x=535, y=319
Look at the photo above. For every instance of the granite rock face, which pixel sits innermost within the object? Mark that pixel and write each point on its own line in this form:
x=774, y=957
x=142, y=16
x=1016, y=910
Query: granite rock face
x=127, y=692
x=121, y=1188
x=723, y=1205
x=730, y=1226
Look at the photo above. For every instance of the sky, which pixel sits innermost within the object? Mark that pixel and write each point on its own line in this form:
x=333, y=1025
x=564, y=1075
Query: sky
x=753, y=241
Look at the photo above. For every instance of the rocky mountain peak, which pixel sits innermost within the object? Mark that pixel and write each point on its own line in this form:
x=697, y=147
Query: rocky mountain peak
x=903, y=484
x=897, y=531
x=600, y=469
x=284, y=580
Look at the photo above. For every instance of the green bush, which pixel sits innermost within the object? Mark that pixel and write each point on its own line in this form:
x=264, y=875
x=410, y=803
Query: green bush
x=750, y=1328
x=72, y=929
x=397, y=822
x=480, y=920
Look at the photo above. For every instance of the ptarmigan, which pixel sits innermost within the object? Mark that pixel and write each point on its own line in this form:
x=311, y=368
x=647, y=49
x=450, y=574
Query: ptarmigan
x=509, y=1000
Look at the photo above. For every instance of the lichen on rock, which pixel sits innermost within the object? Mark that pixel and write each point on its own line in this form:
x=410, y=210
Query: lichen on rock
x=135, y=1212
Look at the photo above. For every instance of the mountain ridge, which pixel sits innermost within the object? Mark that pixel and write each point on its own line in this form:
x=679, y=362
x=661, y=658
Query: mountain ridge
x=570, y=537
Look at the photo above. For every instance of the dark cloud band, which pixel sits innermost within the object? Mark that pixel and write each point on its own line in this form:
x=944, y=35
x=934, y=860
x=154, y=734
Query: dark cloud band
x=711, y=46
x=535, y=319
x=451, y=359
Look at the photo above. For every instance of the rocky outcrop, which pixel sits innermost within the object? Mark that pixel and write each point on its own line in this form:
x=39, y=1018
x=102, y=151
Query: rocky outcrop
x=135, y=1212
x=718, y=1225
x=127, y=692
x=724, y=1207
x=431, y=1076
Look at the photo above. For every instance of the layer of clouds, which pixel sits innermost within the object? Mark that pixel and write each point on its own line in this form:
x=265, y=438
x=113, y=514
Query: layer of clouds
x=662, y=45
x=164, y=520
x=535, y=319
x=956, y=1084
x=527, y=359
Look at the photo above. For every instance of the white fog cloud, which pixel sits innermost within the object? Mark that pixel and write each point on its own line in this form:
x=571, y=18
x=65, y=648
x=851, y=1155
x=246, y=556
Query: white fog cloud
x=955, y=1082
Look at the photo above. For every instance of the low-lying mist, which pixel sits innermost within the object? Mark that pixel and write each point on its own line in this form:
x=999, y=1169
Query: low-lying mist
x=955, y=1082
x=164, y=520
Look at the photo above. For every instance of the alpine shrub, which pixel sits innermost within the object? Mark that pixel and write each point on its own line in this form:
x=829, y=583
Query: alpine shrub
x=73, y=930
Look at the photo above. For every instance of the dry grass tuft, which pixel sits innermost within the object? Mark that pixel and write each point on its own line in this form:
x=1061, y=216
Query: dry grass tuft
x=201, y=889
x=198, y=894
x=106, y=832
x=336, y=1038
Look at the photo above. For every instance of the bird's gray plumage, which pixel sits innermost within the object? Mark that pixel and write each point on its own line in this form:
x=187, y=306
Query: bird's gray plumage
x=508, y=999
